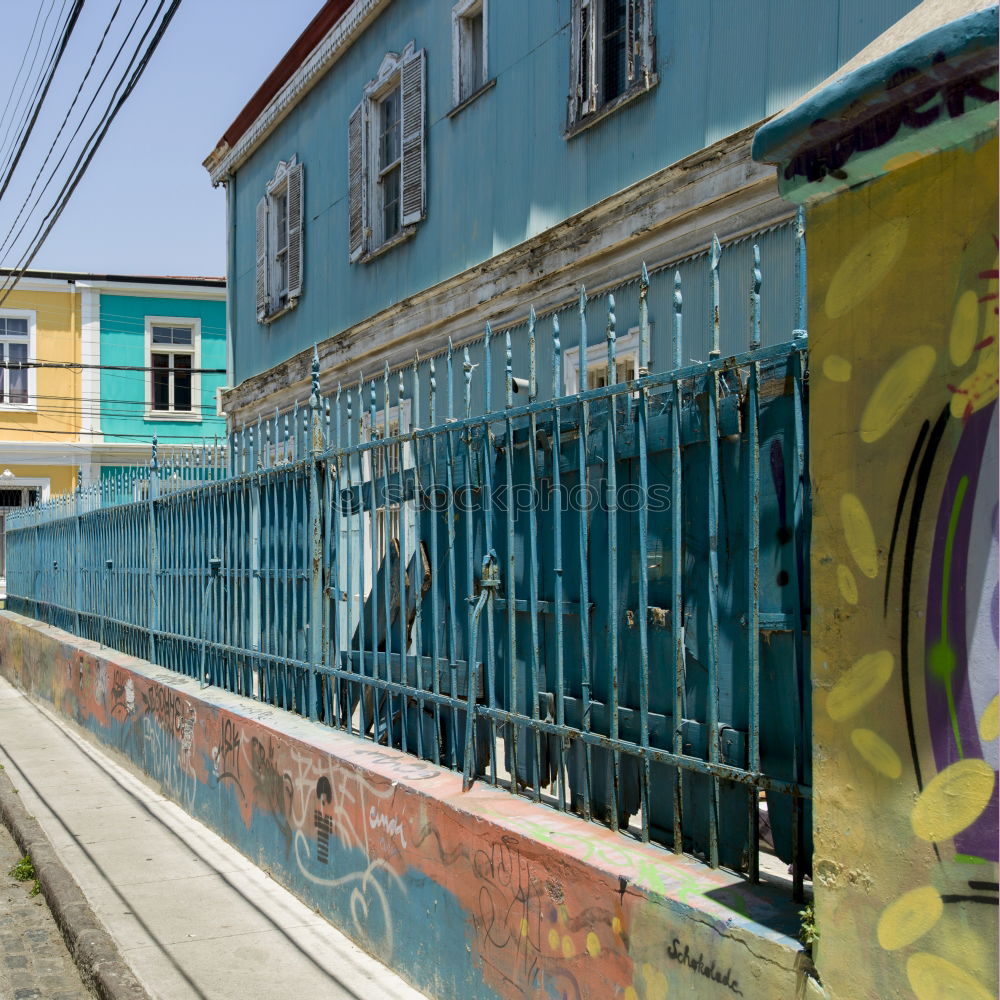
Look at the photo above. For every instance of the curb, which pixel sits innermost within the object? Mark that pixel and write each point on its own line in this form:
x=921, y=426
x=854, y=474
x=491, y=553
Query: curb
x=96, y=955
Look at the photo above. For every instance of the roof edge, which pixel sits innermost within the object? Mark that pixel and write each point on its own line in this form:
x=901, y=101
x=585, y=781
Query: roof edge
x=774, y=141
x=305, y=63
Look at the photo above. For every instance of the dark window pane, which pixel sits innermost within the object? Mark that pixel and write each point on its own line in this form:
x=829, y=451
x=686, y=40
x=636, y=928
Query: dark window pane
x=182, y=335
x=10, y=498
x=17, y=378
x=162, y=335
x=613, y=70
x=390, y=204
x=389, y=137
x=161, y=382
x=12, y=327
x=182, y=382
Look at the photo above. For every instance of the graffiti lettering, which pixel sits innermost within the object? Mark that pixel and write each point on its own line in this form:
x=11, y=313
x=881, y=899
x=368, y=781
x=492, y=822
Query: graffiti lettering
x=226, y=756
x=393, y=827
x=907, y=101
x=273, y=789
x=709, y=971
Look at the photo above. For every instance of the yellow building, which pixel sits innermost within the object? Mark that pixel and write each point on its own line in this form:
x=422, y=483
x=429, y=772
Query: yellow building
x=40, y=407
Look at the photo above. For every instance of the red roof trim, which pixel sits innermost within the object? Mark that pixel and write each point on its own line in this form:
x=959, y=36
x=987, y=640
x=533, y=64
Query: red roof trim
x=315, y=32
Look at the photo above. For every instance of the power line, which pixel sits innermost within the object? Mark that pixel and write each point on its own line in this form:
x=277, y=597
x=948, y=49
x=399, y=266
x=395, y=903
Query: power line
x=15, y=105
x=97, y=137
x=80, y=366
x=83, y=118
x=76, y=97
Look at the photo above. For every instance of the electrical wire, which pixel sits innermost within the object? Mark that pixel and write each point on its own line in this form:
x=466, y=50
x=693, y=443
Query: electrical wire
x=9, y=104
x=76, y=97
x=67, y=33
x=16, y=113
x=97, y=137
x=76, y=131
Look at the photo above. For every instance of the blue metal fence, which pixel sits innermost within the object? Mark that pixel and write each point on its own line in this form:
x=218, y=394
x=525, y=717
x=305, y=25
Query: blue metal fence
x=594, y=594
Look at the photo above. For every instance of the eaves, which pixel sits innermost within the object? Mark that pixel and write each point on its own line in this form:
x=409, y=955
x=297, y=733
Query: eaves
x=224, y=160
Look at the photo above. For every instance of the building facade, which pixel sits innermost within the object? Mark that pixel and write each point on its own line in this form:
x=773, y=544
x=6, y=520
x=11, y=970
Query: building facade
x=411, y=169
x=109, y=361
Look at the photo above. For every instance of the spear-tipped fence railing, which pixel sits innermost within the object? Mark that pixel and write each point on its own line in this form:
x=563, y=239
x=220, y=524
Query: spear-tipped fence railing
x=596, y=594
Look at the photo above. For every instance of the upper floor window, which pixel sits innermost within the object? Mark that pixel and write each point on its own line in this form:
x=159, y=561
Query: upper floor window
x=385, y=146
x=612, y=57
x=17, y=338
x=279, y=242
x=469, y=48
x=173, y=383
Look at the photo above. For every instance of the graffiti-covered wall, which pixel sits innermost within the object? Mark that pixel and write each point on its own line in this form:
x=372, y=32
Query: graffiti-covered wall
x=903, y=336
x=482, y=895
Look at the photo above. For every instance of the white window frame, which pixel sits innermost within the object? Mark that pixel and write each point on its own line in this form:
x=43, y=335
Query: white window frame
x=626, y=350
x=392, y=74
x=280, y=296
x=32, y=404
x=400, y=415
x=461, y=14
x=194, y=415
x=585, y=109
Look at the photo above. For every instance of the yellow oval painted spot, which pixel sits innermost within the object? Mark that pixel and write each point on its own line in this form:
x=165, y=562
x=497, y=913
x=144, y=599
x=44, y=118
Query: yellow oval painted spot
x=524, y=926
x=935, y=978
x=989, y=722
x=568, y=949
x=616, y=925
x=630, y=993
x=837, y=369
x=865, y=266
x=859, y=684
x=898, y=387
x=554, y=939
x=848, y=585
x=877, y=752
x=910, y=917
x=656, y=982
x=859, y=534
x=953, y=799
x=964, y=328
x=593, y=945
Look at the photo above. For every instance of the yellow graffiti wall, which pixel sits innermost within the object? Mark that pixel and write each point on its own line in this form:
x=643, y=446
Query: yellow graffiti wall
x=903, y=430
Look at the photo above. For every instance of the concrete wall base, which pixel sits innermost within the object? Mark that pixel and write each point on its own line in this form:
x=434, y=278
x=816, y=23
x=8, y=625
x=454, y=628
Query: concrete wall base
x=480, y=895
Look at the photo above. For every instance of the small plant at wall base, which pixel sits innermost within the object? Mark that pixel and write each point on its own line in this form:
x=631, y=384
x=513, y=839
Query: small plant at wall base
x=24, y=871
x=808, y=932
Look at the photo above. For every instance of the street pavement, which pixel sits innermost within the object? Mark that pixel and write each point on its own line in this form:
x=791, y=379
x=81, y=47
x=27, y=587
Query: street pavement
x=190, y=915
x=35, y=963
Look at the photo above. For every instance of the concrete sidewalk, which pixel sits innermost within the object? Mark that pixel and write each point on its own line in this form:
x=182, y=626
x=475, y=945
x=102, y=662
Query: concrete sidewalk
x=191, y=916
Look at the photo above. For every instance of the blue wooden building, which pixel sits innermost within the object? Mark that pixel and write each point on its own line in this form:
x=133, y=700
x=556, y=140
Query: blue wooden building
x=585, y=511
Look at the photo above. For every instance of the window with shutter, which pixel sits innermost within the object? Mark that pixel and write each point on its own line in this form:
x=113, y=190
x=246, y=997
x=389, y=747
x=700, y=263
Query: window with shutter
x=386, y=157
x=280, y=242
x=612, y=56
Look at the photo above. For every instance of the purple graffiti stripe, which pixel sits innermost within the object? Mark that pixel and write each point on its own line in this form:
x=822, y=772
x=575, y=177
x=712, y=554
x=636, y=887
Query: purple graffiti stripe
x=980, y=839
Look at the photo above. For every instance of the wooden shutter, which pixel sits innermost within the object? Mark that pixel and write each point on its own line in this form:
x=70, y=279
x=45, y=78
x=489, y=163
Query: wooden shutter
x=295, y=199
x=262, y=276
x=356, y=193
x=412, y=85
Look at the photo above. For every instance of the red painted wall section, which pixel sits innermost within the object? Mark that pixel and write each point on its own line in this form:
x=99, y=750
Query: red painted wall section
x=483, y=892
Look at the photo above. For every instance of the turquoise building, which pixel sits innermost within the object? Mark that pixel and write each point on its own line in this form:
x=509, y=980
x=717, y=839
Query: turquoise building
x=160, y=343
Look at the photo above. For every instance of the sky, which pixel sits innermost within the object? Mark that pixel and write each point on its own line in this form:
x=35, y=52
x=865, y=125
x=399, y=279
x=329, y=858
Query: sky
x=146, y=204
